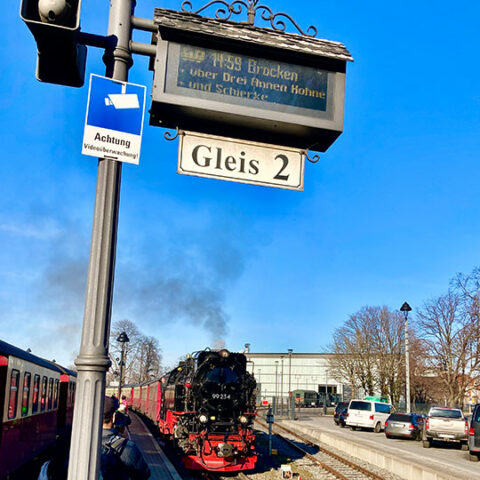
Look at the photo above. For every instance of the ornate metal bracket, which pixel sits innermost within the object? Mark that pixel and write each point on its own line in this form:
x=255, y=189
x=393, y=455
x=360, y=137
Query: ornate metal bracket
x=169, y=136
x=314, y=159
x=225, y=11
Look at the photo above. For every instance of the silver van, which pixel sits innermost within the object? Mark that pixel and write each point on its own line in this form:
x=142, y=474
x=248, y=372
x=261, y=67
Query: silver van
x=368, y=414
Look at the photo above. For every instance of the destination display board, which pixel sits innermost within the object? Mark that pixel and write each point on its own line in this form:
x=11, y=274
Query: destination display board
x=231, y=77
x=248, y=94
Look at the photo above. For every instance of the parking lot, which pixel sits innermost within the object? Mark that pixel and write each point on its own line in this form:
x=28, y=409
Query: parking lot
x=448, y=458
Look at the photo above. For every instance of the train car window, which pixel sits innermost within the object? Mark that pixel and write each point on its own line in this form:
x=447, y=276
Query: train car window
x=55, y=394
x=36, y=388
x=26, y=393
x=12, y=401
x=50, y=393
x=43, y=395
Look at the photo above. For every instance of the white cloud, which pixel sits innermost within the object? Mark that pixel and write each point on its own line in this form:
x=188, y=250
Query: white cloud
x=46, y=231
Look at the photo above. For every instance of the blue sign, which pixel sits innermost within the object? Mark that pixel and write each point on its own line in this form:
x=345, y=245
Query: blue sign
x=116, y=105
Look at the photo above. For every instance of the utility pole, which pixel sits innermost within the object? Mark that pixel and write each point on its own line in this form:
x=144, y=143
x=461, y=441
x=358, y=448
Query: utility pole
x=281, y=385
x=93, y=361
x=276, y=380
x=290, y=351
x=326, y=391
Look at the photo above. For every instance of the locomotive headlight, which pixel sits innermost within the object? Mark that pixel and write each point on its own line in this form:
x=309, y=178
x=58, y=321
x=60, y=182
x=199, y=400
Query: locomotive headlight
x=203, y=419
x=224, y=353
x=243, y=419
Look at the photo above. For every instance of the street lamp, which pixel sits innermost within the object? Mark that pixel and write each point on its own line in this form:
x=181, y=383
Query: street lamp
x=326, y=391
x=281, y=381
x=123, y=339
x=289, y=407
x=276, y=380
x=405, y=308
x=259, y=383
x=290, y=351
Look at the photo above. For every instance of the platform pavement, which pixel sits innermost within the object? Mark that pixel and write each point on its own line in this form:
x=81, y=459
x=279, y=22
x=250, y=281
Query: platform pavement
x=160, y=467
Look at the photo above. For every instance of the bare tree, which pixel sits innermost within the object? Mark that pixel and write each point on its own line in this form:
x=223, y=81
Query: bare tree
x=368, y=352
x=450, y=333
x=131, y=349
x=468, y=287
x=342, y=365
x=388, y=335
x=147, y=364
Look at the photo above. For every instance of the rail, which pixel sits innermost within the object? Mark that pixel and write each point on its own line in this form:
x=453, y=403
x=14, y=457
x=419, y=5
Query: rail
x=328, y=467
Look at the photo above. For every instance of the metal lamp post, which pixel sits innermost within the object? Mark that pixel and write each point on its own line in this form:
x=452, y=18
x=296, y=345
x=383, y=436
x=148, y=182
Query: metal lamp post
x=405, y=308
x=281, y=385
x=123, y=339
x=276, y=378
x=290, y=351
x=259, y=383
x=290, y=401
x=93, y=361
x=326, y=391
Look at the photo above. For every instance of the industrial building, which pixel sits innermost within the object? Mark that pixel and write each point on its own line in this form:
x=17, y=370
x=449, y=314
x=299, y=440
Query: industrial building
x=277, y=374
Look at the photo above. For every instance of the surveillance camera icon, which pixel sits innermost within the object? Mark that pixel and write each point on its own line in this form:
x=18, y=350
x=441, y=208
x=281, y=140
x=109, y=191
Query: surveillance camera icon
x=122, y=101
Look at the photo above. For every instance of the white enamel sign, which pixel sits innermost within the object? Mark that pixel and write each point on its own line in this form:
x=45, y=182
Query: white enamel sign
x=240, y=161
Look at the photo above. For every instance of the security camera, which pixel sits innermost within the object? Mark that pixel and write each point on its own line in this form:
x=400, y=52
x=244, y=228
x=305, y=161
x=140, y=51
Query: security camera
x=54, y=11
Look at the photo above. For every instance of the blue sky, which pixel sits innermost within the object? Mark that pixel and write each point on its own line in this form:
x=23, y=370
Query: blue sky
x=390, y=213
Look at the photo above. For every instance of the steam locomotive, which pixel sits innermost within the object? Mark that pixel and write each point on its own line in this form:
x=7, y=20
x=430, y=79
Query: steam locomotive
x=206, y=407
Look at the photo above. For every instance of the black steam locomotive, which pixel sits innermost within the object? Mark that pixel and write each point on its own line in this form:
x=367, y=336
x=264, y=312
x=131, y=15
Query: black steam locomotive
x=207, y=407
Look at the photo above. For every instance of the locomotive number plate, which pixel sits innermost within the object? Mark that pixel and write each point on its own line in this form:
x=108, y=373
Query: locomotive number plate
x=221, y=396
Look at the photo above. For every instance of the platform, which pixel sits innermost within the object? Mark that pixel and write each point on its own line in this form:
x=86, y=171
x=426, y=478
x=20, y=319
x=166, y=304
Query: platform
x=160, y=467
x=408, y=459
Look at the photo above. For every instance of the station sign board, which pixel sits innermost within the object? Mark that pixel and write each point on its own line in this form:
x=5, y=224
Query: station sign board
x=250, y=83
x=240, y=161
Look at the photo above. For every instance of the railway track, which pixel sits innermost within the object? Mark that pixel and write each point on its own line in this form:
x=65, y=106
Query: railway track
x=335, y=465
x=213, y=476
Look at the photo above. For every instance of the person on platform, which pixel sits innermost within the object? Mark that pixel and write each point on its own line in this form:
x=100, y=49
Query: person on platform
x=56, y=468
x=122, y=419
x=124, y=402
x=121, y=458
x=115, y=400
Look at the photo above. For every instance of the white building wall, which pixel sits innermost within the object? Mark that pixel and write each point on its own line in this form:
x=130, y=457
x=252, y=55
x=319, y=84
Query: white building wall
x=279, y=373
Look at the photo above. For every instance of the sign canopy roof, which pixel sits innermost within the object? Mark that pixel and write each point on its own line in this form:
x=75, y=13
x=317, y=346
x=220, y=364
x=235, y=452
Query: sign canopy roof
x=182, y=22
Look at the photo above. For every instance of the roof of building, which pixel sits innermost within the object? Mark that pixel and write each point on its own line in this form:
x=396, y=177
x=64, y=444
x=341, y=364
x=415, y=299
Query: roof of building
x=186, y=21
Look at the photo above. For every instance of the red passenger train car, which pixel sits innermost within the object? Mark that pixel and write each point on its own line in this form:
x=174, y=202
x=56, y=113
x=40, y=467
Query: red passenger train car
x=36, y=399
x=206, y=407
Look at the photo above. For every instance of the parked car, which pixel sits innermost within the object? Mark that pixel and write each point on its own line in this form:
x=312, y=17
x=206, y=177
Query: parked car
x=445, y=424
x=474, y=434
x=340, y=413
x=404, y=425
x=368, y=414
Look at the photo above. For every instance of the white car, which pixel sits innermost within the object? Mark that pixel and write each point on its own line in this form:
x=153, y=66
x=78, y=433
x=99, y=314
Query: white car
x=367, y=414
